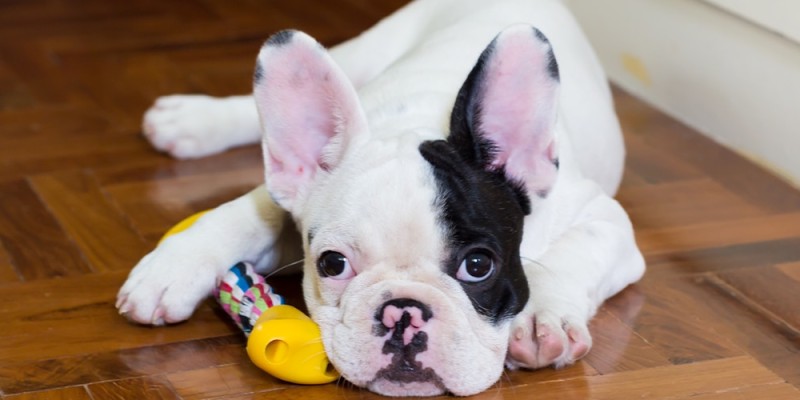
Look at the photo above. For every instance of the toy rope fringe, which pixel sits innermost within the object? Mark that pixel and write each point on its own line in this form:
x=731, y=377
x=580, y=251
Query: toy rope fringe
x=245, y=295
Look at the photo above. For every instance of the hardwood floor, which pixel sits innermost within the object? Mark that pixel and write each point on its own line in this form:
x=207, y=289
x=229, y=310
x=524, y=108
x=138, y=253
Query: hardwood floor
x=83, y=197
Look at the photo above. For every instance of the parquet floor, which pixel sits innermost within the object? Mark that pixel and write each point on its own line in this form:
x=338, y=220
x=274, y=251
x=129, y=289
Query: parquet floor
x=82, y=197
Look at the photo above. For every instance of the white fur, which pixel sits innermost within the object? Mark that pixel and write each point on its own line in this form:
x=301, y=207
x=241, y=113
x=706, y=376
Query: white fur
x=192, y=126
x=578, y=247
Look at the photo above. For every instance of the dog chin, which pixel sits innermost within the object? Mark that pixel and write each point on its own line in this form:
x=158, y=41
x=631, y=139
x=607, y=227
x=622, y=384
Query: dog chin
x=392, y=388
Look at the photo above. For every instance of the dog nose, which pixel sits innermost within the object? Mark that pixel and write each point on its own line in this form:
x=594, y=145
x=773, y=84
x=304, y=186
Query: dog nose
x=404, y=317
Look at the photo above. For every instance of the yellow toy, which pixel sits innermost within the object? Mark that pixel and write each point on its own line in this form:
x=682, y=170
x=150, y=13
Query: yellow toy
x=183, y=225
x=282, y=340
x=288, y=344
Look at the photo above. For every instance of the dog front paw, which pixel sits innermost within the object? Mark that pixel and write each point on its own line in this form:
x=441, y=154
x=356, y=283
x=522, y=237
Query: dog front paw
x=167, y=285
x=540, y=339
x=192, y=126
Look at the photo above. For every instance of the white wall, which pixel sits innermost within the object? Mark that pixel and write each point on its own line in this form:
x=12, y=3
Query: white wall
x=779, y=16
x=727, y=77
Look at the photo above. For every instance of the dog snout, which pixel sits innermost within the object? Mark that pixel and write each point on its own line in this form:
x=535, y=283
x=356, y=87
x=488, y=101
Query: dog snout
x=404, y=317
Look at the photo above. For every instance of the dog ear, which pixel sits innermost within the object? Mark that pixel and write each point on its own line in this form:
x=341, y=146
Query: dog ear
x=309, y=112
x=505, y=112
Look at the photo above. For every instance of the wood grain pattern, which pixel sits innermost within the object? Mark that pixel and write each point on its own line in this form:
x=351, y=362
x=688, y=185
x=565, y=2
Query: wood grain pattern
x=674, y=382
x=223, y=381
x=150, y=388
x=744, y=327
x=32, y=237
x=90, y=221
x=705, y=235
x=68, y=393
x=619, y=348
x=770, y=291
x=682, y=203
x=7, y=272
x=83, y=196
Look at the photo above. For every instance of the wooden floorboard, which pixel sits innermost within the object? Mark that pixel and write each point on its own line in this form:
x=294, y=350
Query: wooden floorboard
x=83, y=196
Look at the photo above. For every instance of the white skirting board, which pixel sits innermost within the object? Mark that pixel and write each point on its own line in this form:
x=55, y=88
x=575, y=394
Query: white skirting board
x=730, y=79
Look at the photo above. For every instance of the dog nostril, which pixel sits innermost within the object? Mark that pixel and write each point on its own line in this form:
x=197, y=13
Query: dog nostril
x=406, y=312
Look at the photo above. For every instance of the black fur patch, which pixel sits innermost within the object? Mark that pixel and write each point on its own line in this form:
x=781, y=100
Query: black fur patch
x=482, y=210
x=278, y=39
x=552, y=65
x=281, y=38
x=481, y=207
x=471, y=146
x=258, y=73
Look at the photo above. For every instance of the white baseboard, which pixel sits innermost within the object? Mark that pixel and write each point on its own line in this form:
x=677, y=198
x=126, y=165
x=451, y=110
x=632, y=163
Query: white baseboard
x=730, y=79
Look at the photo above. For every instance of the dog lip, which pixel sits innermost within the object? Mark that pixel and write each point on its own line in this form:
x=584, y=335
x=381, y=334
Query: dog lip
x=408, y=372
x=416, y=388
x=404, y=368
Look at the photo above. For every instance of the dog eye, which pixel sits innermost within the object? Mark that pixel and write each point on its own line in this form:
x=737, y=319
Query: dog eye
x=332, y=264
x=476, y=267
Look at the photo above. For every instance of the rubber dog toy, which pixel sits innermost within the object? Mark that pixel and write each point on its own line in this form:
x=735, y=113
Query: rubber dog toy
x=281, y=339
x=183, y=225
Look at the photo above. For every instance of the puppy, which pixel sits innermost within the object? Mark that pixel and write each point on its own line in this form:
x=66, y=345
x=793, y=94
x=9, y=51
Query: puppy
x=450, y=172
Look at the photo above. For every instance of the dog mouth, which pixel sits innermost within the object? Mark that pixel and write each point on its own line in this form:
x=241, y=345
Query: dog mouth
x=404, y=374
x=404, y=367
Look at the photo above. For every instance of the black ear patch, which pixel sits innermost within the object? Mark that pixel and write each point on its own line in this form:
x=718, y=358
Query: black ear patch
x=552, y=65
x=519, y=88
x=469, y=143
x=258, y=73
x=464, y=134
x=481, y=209
x=281, y=38
x=278, y=39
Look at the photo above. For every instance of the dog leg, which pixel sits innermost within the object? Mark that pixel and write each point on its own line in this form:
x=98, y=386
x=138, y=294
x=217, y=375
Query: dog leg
x=191, y=126
x=168, y=284
x=593, y=260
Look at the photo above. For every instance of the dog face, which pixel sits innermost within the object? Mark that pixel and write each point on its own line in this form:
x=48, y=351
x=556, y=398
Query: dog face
x=412, y=267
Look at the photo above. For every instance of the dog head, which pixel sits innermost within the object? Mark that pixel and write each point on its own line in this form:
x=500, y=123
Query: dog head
x=412, y=266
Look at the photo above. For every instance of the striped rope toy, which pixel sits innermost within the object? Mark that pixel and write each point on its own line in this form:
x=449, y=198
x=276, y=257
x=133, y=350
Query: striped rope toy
x=245, y=295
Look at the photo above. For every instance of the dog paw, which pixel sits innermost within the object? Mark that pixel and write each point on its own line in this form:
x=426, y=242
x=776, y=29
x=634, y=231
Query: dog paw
x=544, y=338
x=167, y=285
x=192, y=126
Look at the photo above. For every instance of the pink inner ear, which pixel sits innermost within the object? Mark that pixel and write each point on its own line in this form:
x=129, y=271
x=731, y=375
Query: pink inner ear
x=518, y=108
x=304, y=101
x=297, y=108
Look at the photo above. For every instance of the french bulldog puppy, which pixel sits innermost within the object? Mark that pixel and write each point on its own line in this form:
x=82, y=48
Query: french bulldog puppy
x=450, y=172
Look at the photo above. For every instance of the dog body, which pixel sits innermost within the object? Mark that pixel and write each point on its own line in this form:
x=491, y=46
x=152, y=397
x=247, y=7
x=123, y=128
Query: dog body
x=451, y=186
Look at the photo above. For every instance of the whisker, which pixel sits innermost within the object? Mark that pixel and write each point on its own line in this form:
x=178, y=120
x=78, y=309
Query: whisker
x=542, y=267
x=342, y=384
x=291, y=264
x=498, y=389
x=312, y=341
x=312, y=356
